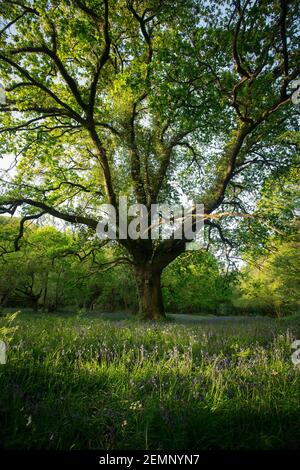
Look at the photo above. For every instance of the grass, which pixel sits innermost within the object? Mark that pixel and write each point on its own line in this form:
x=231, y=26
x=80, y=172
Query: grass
x=89, y=382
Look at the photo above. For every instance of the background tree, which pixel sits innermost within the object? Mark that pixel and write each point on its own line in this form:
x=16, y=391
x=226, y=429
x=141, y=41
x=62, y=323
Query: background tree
x=35, y=274
x=53, y=270
x=196, y=283
x=271, y=284
x=147, y=99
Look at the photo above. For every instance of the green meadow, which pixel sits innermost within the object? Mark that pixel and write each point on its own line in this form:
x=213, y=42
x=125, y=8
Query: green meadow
x=112, y=382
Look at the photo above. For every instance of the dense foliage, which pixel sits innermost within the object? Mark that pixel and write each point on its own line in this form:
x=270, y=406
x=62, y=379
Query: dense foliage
x=50, y=272
x=153, y=100
x=271, y=284
x=55, y=270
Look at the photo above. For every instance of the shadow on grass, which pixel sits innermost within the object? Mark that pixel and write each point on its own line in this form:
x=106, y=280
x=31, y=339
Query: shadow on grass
x=53, y=408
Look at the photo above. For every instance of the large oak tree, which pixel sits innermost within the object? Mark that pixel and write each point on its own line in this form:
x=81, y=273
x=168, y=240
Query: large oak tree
x=149, y=99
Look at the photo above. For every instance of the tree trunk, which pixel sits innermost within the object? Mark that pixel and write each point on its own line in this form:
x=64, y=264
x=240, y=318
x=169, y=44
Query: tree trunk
x=35, y=303
x=45, y=292
x=149, y=293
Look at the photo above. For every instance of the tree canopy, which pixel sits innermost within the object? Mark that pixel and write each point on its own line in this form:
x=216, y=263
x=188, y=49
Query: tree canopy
x=150, y=99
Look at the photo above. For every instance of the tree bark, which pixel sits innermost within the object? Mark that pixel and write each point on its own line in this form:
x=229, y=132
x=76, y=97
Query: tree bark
x=148, y=282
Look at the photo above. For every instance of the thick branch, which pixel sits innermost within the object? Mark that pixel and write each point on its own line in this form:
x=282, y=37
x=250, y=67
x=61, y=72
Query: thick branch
x=21, y=228
x=10, y=206
x=67, y=77
x=104, y=58
x=42, y=87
